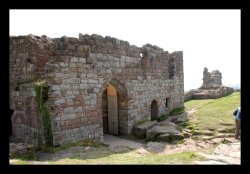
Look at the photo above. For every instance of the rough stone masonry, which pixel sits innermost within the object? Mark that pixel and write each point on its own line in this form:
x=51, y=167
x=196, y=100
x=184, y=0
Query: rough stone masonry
x=147, y=82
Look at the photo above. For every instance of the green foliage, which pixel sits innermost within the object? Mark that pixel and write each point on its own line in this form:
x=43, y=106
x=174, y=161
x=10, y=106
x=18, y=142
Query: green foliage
x=192, y=155
x=184, y=125
x=47, y=125
x=26, y=156
x=224, y=141
x=42, y=90
x=181, y=141
x=141, y=122
x=171, y=138
x=177, y=111
x=162, y=117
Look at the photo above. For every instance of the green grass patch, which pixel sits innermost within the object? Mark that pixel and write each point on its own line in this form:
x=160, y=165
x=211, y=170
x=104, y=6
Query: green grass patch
x=134, y=158
x=141, y=122
x=211, y=114
x=84, y=143
x=162, y=117
x=177, y=111
x=20, y=162
x=224, y=141
x=27, y=156
x=181, y=141
x=42, y=92
x=186, y=125
x=103, y=155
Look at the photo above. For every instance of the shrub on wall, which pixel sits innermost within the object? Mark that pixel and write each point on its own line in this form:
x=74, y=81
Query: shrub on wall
x=42, y=89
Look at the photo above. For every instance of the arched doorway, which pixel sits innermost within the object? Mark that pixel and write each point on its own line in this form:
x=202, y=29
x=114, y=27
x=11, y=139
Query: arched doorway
x=112, y=101
x=119, y=115
x=154, y=110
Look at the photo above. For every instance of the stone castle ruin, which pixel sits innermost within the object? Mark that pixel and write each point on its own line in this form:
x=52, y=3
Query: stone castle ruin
x=211, y=88
x=210, y=79
x=94, y=85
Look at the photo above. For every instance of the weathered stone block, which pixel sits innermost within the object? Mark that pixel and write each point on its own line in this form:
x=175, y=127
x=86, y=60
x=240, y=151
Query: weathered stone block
x=162, y=133
x=68, y=110
x=56, y=94
x=140, y=130
x=75, y=80
x=182, y=117
x=93, y=101
x=99, y=55
x=72, y=116
x=82, y=60
x=92, y=81
x=78, y=109
x=65, y=87
x=60, y=101
x=65, y=81
x=89, y=60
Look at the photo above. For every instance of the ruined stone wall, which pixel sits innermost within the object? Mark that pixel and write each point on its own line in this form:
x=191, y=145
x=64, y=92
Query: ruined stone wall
x=216, y=76
x=211, y=88
x=27, y=58
x=213, y=78
x=79, y=71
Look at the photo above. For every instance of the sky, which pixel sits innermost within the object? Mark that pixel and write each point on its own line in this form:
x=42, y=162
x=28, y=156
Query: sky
x=208, y=38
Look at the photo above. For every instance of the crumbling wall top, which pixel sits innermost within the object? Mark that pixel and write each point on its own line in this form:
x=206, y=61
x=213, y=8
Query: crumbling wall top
x=211, y=79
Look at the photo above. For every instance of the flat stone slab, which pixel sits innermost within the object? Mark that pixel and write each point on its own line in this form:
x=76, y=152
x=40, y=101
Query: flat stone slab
x=142, y=151
x=119, y=149
x=167, y=124
x=224, y=154
x=178, y=118
x=164, y=133
x=155, y=147
x=116, y=141
x=140, y=130
x=228, y=149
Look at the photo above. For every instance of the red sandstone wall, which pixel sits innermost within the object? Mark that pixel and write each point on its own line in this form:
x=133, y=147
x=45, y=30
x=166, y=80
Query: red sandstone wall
x=79, y=70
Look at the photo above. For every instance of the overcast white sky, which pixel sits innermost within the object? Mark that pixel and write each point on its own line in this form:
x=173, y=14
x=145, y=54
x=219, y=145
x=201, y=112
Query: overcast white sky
x=208, y=38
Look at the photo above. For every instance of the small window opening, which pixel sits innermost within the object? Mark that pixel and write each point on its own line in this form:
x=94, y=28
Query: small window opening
x=166, y=104
x=28, y=60
x=17, y=88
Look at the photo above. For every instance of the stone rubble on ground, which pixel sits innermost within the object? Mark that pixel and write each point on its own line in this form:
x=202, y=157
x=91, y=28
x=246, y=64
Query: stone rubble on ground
x=223, y=154
x=20, y=148
x=162, y=131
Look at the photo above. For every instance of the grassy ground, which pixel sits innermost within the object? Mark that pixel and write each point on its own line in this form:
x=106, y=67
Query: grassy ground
x=131, y=157
x=213, y=114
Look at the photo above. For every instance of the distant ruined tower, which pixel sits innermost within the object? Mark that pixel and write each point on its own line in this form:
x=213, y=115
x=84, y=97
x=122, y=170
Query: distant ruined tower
x=213, y=78
x=211, y=88
x=216, y=76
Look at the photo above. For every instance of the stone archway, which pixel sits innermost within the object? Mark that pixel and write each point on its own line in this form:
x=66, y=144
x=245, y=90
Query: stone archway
x=154, y=110
x=115, y=108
